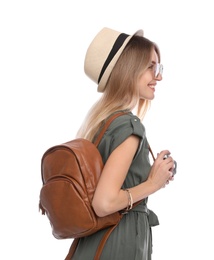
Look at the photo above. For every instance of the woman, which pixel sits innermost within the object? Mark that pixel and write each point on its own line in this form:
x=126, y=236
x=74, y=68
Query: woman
x=126, y=69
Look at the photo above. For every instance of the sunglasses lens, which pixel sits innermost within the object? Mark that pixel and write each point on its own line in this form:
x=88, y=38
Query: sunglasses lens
x=159, y=70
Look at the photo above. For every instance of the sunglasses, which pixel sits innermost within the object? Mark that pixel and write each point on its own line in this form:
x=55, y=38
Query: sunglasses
x=157, y=69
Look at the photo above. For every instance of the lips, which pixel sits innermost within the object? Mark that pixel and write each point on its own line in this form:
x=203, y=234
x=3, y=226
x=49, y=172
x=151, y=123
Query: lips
x=152, y=86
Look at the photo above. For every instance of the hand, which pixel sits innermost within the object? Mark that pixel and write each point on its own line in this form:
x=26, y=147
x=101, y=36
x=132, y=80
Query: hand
x=161, y=171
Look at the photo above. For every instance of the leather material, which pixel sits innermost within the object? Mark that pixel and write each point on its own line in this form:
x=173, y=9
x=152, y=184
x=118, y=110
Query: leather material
x=70, y=173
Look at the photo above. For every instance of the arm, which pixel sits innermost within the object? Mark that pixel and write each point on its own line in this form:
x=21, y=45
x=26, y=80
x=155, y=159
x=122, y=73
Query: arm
x=109, y=197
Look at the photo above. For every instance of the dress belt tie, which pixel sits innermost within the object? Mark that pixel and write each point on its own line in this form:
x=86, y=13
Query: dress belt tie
x=152, y=217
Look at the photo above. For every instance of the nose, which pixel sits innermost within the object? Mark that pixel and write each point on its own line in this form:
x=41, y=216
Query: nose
x=159, y=77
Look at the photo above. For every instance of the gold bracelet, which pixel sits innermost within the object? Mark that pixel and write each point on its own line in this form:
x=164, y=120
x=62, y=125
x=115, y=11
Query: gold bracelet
x=130, y=200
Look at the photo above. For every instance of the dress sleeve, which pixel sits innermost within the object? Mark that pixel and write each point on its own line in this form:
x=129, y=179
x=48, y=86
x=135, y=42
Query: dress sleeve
x=119, y=130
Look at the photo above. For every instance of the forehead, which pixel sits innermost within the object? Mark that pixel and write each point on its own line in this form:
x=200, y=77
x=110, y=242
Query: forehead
x=154, y=56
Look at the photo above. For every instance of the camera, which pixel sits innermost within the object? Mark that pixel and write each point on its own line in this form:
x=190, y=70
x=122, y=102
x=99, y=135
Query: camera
x=175, y=165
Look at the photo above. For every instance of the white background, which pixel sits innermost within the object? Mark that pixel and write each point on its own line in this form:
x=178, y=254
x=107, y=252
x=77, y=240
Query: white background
x=44, y=96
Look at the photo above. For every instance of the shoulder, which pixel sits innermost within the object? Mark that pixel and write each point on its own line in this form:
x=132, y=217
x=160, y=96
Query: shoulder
x=126, y=124
x=119, y=130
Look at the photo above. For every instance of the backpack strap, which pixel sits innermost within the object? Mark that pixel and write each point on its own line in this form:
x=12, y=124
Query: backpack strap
x=103, y=241
x=107, y=124
x=72, y=249
x=99, y=248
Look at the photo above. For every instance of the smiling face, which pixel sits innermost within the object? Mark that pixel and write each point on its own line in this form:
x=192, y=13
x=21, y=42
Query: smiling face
x=148, y=80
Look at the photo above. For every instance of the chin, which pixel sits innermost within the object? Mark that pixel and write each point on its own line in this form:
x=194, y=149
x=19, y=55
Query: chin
x=150, y=98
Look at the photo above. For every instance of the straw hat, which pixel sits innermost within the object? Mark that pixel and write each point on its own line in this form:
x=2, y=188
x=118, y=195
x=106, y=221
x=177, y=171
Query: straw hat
x=103, y=53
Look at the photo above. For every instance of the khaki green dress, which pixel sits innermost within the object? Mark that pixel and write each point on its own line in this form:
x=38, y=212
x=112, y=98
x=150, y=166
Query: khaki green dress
x=132, y=238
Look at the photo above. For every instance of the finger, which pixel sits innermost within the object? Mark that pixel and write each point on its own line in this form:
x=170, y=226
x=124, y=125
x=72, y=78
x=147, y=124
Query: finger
x=170, y=175
x=170, y=163
x=163, y=154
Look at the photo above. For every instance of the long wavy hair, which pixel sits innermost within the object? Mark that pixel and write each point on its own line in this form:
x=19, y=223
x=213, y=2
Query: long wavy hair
x=121, y=92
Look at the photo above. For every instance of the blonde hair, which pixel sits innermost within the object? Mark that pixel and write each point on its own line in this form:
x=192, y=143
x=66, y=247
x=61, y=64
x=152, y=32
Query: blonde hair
x=121, y=92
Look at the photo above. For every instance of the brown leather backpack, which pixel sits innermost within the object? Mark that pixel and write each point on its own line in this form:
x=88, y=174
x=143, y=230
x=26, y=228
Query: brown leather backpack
x=70, y=173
